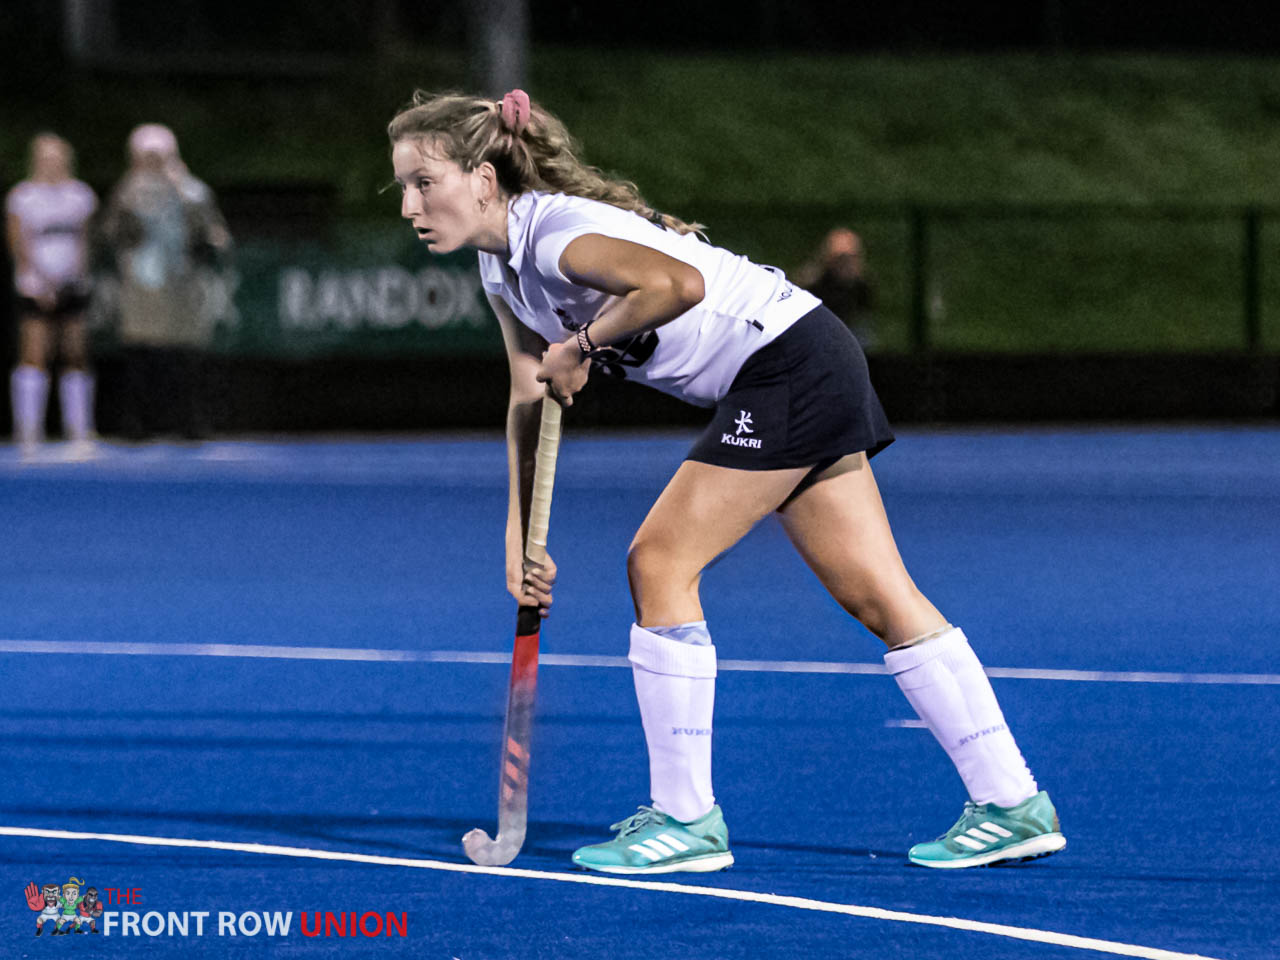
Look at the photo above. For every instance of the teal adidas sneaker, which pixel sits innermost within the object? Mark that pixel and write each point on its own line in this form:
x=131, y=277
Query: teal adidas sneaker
x=652, y=842
x=987, y=834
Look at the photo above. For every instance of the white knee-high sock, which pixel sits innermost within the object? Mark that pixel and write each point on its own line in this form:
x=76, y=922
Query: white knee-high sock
x=29, y=391
x=75, y=391
x=676, y=688
x=946, y=685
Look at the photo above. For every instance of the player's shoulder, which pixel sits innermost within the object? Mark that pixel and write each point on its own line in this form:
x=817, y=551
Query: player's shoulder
x=82, y=190
x=559, y=211
x=78, y=196
x=194, y=190
x=540, y=225
x=555, y=219
x=18, y=194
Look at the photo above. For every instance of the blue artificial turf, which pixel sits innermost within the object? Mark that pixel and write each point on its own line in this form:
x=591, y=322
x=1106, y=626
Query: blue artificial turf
x=1116, y=550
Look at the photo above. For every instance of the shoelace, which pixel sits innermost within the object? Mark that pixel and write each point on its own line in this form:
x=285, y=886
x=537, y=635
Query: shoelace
x=970, y=810
x=637, y=821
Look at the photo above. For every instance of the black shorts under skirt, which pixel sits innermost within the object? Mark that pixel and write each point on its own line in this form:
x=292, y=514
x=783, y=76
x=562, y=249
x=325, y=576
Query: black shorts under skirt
x=804, y=400
x=68, y=303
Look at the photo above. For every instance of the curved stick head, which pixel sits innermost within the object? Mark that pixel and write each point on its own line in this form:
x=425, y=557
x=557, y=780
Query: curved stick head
x=486, y=852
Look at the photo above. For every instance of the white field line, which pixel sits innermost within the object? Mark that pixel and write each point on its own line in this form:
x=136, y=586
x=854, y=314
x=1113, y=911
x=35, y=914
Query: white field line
x=373, y=655
x=722, y=893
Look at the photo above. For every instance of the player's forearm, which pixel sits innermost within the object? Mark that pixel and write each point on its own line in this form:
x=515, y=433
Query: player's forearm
x=523, y=418
x=23, y=268
x=21, y=262
x=644, y=308
x=13, y=236
x=85, y=252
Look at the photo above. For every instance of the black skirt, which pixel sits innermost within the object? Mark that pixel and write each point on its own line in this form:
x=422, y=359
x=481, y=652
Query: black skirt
x=805, y=400
x=68, y=302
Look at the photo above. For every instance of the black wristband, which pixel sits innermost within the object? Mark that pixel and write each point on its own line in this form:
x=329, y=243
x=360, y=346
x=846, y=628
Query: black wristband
x=584, y=341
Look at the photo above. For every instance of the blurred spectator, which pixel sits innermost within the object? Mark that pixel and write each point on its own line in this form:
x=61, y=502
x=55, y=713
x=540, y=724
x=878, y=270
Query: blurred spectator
x=163, y=228
x=47, y=226
x=837, y=275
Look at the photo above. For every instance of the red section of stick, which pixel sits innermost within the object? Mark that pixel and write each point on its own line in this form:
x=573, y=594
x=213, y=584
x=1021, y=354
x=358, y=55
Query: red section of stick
x=524, y=662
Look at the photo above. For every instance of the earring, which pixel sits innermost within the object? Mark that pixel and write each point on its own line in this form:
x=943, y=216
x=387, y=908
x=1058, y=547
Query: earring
x=484, y=205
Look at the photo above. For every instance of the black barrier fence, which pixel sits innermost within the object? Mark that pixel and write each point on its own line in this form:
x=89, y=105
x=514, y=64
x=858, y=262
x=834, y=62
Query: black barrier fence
x=340, y=394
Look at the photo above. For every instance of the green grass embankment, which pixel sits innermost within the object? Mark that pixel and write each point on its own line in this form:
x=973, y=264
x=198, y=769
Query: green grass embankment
x=770, y=151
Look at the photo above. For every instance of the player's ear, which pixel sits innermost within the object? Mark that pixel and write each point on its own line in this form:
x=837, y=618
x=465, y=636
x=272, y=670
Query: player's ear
x=486, y=182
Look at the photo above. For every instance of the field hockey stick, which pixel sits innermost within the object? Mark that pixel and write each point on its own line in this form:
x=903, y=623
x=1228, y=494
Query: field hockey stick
x=513, y=776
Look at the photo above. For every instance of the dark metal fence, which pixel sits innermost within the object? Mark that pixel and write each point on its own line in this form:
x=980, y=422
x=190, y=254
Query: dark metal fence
x=1248, y=221
x=1044, y=277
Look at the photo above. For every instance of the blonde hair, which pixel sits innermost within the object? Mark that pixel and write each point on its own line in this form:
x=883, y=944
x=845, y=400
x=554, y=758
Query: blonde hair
x=536, y=153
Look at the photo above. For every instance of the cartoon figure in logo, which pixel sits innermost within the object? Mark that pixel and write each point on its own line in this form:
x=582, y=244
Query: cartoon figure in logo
x=69, y=903
x=45, y=900
x=90, y=909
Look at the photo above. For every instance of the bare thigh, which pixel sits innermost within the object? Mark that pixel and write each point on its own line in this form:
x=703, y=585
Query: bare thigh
x=703, y=512
x=839, y=526
x=34, y=337
x=75, y=343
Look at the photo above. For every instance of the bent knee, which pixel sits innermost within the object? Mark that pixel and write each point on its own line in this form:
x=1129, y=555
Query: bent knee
x=870, y=611
x=891, y=613
x=649, y=562
x=656, y=566
x=664, y=580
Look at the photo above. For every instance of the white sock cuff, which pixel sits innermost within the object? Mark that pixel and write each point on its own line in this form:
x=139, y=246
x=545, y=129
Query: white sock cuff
x=908, y=658
x=29, y=374
x=75, y=376
x=658, y=654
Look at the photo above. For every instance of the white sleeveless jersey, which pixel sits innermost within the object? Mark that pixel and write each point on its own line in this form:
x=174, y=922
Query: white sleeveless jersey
x=694, y=357
x=53, y=217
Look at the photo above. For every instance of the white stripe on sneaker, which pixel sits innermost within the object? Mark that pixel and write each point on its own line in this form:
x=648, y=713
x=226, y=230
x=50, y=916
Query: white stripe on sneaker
x=659, y=847
x=996, y=828
x=971, y=844
x=644, y=851
x=988, y=837
x=671, y=841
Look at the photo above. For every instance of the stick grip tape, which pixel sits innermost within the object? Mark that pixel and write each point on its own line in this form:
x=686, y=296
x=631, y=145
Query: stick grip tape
x=544, y=477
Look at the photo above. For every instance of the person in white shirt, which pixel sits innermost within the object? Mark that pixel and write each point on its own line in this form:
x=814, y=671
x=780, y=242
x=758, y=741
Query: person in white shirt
x=47, y=220
x=583, y=275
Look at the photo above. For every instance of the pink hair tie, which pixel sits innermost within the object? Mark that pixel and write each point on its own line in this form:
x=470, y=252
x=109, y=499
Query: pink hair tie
x=515, y=111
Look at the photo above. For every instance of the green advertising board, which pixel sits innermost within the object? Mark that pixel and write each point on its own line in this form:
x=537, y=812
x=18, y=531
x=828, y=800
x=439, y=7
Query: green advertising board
x=362, y=288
